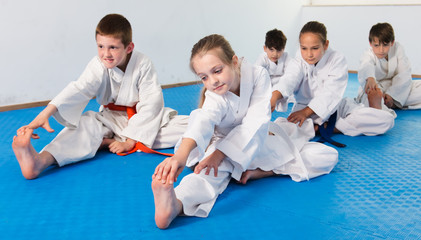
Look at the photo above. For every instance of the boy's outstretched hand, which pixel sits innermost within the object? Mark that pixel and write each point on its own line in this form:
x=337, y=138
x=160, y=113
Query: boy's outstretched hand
x=370, y=85
x=41, y=120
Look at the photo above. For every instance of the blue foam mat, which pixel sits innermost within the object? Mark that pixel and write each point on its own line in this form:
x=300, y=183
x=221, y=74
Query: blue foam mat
x=373, y=193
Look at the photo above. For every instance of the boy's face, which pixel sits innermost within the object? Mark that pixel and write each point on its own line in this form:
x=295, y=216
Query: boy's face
x=112, y=52
x=273, y=54
x=381, y=50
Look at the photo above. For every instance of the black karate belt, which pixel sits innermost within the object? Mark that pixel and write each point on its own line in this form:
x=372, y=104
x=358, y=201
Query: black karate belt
x=327, y=131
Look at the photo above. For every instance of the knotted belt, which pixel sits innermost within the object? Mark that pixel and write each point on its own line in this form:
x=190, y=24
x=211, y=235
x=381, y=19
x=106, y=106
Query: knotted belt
x=327, y=131
x=138, y=146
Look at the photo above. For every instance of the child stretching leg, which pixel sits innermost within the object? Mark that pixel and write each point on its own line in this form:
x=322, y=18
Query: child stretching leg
x=230, y=134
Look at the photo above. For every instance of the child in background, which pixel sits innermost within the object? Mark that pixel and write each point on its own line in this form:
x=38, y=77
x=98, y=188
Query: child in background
x=231, y=136
x=317, y=77
x=123, y=81
x=274, y=58
x=385, y=66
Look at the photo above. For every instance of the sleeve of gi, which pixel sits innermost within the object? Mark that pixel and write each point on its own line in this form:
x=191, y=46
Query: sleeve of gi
x=72, y=100
x=367, y=67
x=288, y=83
x=202, y=121
x=261, y=61
x=402, y=81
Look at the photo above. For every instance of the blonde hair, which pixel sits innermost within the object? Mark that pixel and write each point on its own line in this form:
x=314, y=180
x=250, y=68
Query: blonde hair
x=206, y=44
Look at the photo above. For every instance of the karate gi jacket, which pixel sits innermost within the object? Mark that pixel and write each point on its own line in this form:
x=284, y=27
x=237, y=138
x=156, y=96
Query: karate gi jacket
x=237, y=125
x=320, y=87
x=137, y=86
x=275, y=70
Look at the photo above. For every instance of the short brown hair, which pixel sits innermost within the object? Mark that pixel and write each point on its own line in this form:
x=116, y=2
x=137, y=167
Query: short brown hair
x=275, y=39
x=117, y=26
x=383, y=31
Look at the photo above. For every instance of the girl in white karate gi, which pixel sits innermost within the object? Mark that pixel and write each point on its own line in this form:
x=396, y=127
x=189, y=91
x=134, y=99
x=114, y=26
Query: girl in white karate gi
x=317, y=78
x=119, y=78
x=385, y=66
x=229, y=137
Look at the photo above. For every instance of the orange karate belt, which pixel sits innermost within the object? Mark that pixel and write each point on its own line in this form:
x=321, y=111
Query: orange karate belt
x=139, y=146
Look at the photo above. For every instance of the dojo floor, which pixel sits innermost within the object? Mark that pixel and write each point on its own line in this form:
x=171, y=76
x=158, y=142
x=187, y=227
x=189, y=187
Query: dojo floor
x=373, y=193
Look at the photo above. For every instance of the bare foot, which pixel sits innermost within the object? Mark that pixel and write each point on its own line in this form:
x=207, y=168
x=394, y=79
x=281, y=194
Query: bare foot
x=335, y=130
x=31, y=162
x=375, y=97
x=121, y=147
x=167, y=206
x=106, y=142
x=388, y=101
x=255, y=174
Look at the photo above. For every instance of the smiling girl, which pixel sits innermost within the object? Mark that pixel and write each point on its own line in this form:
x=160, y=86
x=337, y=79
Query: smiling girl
x=228, y=137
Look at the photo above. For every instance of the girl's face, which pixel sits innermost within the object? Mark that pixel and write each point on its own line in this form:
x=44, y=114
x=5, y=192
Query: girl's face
x=112, y=52
x=312, y=47
x=217, y=76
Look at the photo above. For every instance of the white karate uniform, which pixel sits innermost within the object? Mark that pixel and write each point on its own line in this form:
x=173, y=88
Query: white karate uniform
x=321, y=87
x=138, y=85
x=238, y=126
x=393, y=77
x=275, y=70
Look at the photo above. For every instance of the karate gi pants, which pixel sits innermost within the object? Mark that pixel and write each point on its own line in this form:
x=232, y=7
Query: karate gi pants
x=412, y=102
x=198, y=192
x=355, y=119
x=414, y=99
x=75, y=144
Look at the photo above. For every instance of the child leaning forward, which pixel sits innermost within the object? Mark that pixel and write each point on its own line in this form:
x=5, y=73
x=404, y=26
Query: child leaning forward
x=231, y=136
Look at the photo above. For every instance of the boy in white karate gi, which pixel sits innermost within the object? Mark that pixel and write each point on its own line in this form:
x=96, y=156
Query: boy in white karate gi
x=125, y=83
x=228, y=137
x=385, y=66
x=274, y=58
x=317, y=77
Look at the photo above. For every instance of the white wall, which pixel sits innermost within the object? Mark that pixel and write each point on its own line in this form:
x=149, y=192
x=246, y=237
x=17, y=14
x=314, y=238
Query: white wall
x=348, y=28
x=46, y=44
